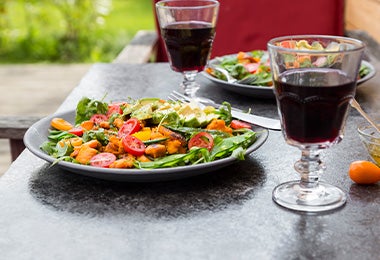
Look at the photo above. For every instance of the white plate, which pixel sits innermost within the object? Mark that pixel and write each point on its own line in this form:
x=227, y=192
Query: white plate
x=249, y=90
x=370, y=75
x=37, y=134
x=262, y=91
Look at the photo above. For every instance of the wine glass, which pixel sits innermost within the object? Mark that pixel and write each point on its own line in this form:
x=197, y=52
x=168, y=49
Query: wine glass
x=314, y=81
x=188, y=29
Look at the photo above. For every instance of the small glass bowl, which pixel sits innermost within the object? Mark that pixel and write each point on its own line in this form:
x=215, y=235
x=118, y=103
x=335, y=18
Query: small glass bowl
x=370, y=137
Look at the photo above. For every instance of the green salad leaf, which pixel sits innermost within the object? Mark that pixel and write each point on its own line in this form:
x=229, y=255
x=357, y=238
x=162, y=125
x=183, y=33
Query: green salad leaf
x=195, y=155
x=88, y=107
x=226, y=146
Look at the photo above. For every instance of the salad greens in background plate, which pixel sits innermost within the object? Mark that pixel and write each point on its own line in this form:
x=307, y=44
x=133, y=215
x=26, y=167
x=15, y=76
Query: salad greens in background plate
x=260, y=88
x=40, y=132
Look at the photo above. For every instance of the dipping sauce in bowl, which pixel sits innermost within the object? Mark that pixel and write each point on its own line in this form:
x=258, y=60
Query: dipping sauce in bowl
x=370, y=137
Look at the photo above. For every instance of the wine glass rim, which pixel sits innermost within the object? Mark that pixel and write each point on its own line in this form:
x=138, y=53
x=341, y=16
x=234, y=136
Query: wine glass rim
x=356, y=44
x=212, y=3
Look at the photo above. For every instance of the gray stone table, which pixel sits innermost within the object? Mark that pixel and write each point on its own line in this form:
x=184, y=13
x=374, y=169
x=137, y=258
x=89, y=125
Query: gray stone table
x=49, y=213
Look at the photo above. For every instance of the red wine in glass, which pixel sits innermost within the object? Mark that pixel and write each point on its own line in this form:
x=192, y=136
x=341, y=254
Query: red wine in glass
x=314, y=104
x=188, y=44
x=314, y=82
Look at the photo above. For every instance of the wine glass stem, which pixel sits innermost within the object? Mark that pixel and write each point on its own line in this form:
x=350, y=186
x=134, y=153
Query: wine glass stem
x=189, y=85
x=310, y=167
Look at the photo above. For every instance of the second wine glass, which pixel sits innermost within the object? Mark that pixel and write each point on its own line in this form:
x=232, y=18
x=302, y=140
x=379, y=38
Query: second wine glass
x=314, y=81
x=188, y=29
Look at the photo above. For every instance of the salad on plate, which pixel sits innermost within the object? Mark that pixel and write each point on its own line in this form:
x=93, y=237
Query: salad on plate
x=147, y=133
x=256, y=65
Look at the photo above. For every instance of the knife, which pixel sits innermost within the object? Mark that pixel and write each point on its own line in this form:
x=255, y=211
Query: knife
x=265, y=122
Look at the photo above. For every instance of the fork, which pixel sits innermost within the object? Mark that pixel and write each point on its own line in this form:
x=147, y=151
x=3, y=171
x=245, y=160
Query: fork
x=248, y=80
x=265, y=122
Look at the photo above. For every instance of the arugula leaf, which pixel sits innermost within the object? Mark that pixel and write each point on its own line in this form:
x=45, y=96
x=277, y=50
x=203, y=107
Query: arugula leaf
x=261, y=79
x=194, y=156
x=57, y=135
x=48, y=147
x=88, y=107
x=226, y=146
x=96, y=135
x=225, y=112
x=257, y=53
x=364, y=71
x=52, y=147
x=238, y=71
x=190, y=131
x=63, y=150
x=57, y=149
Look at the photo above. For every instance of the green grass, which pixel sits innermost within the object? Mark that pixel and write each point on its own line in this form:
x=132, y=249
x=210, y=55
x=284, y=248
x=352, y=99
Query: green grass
x=37, y=31
x=127, y=17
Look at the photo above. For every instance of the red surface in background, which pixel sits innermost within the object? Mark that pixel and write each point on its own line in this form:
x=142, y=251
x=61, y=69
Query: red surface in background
x=245, y=25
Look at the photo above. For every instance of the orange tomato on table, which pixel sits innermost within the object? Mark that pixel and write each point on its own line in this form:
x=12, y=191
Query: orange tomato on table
x=364, y=172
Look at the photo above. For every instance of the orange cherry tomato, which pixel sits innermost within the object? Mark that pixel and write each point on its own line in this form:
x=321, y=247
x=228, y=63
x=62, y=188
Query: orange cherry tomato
x=364, y=172
x=61, y=124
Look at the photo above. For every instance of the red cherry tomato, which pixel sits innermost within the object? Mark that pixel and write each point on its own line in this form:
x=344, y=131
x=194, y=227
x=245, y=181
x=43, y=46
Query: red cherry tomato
x=202, y=139
x=237, y=124
x=76, y=131
x=98, y=118
x=133, y=145
x=103, y=160
x=114, y=109
x=131, y=126
x=251, y=67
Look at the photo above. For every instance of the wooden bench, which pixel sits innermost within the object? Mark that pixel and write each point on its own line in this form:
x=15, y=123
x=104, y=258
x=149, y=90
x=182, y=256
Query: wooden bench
x=140, y=50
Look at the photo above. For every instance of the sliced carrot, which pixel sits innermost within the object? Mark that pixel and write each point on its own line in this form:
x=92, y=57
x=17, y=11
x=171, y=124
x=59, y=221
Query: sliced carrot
x=87, y=125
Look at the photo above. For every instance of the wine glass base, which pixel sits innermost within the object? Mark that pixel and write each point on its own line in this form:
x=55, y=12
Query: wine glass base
x=326, y=197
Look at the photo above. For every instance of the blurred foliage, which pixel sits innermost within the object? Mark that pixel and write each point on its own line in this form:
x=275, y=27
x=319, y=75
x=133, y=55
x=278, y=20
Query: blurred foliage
x=69, y=30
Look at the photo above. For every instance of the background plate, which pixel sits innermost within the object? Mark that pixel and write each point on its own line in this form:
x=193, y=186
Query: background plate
x=262, y=91
x=37, y=134
x=370, y=75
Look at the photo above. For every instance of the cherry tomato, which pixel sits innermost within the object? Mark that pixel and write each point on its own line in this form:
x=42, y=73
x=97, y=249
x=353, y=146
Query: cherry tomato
x=114, y=109
x=61, y=124
x=131, y=126
x=364, y=172
x=76, y=131
x=237, y=124
x=133, y=145
x=251, y=67
x=98, y=118
x=103, y=160
x=202, y=139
